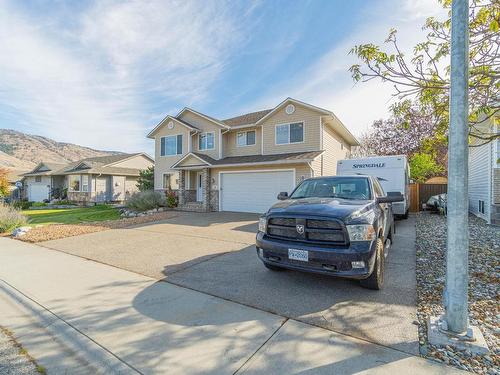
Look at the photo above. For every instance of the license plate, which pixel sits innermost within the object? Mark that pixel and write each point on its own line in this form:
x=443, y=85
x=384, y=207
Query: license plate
x=295, y=254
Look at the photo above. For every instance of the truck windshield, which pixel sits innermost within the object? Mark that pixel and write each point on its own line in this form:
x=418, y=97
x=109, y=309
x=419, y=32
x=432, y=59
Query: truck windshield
x=334, y=187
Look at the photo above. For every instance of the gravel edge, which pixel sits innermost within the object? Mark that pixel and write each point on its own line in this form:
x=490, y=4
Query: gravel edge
x=17, y=359
x=484, y=295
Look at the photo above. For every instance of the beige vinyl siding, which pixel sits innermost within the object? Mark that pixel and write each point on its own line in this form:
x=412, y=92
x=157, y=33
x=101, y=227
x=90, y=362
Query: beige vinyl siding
x=335, y=149
x=163, y=163
x=130, y=186
x=205, y=126
x=231, y=148
x=192, y=161
x=138, y=161
x=311, y=120
x=302, y=171
x=316, y=167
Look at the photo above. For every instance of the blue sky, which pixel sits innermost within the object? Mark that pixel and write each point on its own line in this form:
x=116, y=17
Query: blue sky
x=103, y=73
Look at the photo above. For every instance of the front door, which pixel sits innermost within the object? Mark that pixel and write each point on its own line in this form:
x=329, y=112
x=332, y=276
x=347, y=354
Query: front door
x=199, y=187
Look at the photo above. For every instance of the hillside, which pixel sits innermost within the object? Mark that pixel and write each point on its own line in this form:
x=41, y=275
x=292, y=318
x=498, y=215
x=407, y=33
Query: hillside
x=20, y=151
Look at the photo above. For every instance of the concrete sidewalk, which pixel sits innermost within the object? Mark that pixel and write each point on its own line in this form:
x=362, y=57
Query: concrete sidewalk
x=79, y=316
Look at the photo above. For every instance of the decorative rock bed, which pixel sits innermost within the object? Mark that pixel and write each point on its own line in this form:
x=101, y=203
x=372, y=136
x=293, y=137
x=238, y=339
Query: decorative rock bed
x=125, y=212
x=484, y=289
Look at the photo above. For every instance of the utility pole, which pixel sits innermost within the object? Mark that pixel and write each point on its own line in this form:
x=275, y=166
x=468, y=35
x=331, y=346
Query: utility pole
x=453, y=328
x=457, y=264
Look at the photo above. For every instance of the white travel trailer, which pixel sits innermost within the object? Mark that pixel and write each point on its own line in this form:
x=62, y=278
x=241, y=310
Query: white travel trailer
x=393, y=172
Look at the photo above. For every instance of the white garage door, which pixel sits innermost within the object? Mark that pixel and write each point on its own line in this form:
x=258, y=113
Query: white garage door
x=38, y=193
x=253, y=191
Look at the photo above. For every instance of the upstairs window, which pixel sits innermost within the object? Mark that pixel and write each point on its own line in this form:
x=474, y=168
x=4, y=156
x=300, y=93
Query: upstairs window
x=290, y=133
x=171, y=145
x=206, y=141
x=245, y=138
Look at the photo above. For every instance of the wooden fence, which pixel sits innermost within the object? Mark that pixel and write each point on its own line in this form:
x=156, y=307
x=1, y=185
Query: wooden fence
x=420, y=193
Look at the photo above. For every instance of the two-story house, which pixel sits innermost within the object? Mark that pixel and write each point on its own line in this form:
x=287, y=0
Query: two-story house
x=242, y=163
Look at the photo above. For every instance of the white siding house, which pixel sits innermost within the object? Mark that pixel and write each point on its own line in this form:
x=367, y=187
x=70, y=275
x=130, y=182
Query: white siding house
x=484, y=178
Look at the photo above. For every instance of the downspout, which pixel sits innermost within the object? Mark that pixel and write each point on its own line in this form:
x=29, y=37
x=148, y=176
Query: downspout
x=310, y=166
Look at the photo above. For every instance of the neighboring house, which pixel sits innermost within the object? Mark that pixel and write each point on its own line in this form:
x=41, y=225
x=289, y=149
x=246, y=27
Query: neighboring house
x=484, y=176
x=14, y=176
x=99, y=179
x=242, y=163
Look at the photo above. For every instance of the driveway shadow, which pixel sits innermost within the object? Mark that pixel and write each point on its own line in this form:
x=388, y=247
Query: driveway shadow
x=385, y=316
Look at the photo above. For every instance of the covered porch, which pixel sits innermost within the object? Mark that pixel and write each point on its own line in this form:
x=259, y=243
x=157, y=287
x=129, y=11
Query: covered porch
x=195, y=190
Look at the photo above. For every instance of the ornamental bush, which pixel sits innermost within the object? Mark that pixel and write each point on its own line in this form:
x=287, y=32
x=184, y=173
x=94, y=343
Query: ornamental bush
x=10, y=218
x=172, y=200
x=145, y=200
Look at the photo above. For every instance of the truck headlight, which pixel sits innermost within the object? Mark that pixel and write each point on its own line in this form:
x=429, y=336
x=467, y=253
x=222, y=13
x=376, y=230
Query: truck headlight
x=361, y=232
x=262, y=224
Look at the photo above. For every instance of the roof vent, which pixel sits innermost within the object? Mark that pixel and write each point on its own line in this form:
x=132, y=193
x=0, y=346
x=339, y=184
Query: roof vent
x=290, y=108
x=170, y=125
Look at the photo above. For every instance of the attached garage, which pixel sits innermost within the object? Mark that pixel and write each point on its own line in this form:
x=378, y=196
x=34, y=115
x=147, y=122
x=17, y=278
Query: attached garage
x=253, y=191
x=38, y=193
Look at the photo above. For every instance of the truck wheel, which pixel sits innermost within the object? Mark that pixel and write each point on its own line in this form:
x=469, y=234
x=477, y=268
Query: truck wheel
x=376, y=280
x=273, y=268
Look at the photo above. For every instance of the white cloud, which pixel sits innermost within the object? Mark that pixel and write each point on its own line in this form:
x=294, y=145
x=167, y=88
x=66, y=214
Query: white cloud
x=327, y=82
x=90, y=82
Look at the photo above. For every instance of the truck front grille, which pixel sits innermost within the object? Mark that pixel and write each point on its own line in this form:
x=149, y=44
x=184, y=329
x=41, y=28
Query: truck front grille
x=318, y=231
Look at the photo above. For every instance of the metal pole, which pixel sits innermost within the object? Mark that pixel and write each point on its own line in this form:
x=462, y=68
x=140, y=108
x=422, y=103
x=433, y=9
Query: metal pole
x=457, y=273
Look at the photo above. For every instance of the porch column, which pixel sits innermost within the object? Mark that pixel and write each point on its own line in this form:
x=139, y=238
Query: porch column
x=182, y=187
x=205, y=182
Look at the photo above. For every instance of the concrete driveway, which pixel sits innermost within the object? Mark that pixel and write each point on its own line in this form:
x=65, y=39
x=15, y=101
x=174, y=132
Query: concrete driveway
x=214, y=253
x=81, y=317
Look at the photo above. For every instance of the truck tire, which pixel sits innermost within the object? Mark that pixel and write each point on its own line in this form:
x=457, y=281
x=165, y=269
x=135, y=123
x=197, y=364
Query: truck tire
x=273, y=268
x=376, y=280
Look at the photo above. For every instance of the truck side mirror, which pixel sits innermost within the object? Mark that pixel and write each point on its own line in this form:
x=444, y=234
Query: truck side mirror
x=283, y=196
x=392, y=196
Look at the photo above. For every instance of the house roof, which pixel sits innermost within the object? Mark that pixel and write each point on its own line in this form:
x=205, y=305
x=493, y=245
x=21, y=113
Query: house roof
x=168, y=117
x=256, y=118
x=51, y=168
x=250, y=159
x=106, y=170
x=93, y=165
x=247, y=118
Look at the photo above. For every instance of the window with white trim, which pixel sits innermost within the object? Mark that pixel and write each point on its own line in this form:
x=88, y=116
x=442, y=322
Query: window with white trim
x=74, y=182
x=85, y=183
x=245, y=138
x=167, y=181
x=481, y=206
x=206, y=141
x=171, y=145
x=290, y=133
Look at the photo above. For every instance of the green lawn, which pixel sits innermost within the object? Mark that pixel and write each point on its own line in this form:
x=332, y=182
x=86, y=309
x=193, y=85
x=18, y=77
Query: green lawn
x=71, y=215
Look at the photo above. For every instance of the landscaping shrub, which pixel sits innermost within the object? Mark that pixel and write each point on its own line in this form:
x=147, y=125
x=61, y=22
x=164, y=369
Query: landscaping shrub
x=10, y=218
x=145, y=200
x=172, y=200
x=22, y=205
x=39, y=204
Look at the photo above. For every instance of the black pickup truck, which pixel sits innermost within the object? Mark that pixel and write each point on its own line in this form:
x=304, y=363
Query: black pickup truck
x=339, y=226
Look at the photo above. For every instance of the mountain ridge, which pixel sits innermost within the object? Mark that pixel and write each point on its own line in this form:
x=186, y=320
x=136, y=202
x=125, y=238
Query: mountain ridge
x=22, y=152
